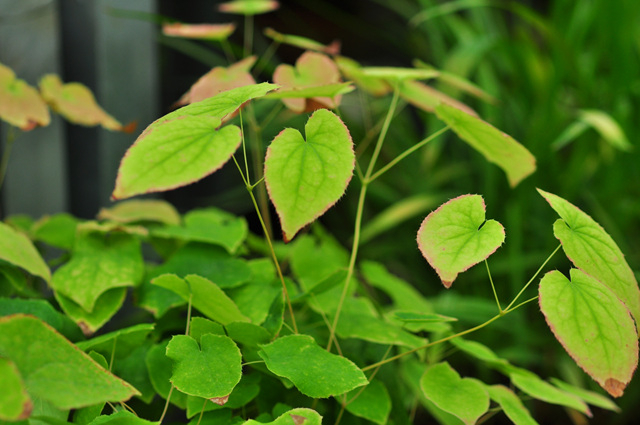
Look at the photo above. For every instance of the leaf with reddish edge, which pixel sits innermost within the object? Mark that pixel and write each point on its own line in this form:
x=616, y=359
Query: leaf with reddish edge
x=427, y=98
x=592, y=250
x=175, y=154
x=15, y=403
x=303, y=42
x=199, y=31
x=249, y=7
x=76, y=103
x=311, y=69
x=497, y=147
x=456, y=236
x=21, y=104
x=220, y=79
x=593, y=325
x=305, y=178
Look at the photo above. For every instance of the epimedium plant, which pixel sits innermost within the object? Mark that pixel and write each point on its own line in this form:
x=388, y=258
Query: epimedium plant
x=233, y=328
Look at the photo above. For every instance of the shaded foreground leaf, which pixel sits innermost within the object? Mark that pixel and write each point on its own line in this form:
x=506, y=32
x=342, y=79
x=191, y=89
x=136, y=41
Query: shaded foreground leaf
x=17, y=249
x=315, y=372
x=511, y=405
x=155, y=210
x=496, y=146
x=456, y=236
x=592, y=250
x=465, y=398
x=304, y=178
x=371, y=402
x=15, y=403
x=593, y=325
x=122, y=417
x=54, y=369
x=299, y=416
x=209, y=371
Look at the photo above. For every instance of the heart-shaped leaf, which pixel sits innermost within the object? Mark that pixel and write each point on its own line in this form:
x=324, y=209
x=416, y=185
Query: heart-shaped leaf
x=199, y=31
x=497, y=147
x=456, y=236
x=17, y=249
x=210, y=371
x=76, y=103
x=592, y=250
x=593, y=325
x=311, y=69
x=21, y=104
x=465, y=398
x=306, y=177
x=314, y=371
x=53, y=369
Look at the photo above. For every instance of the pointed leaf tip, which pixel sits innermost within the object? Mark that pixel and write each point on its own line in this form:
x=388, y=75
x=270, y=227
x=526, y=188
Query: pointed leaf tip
x=456, y=236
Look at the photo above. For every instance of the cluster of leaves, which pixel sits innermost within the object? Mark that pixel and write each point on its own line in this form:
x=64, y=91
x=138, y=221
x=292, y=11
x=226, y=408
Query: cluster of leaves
x=231, y=328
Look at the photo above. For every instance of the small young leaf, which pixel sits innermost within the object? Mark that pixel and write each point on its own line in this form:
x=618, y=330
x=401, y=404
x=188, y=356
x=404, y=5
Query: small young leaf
x=302, y=42
x=210, y=371
x=315, y=372
x=248, y=7
x=456, y=236
x=174, y=154
x=496, y=146
x=311, y=69
x=76, y=103
x=593, y=325
x=465, y=398
x=123, y=417
x=107, y=261
x=199, y=31
x=372, y=403
x=55, y=369
x=15, y=403
x=17, y=249
x=21, y=104
x=105, y=307
x=352, y=71
x=399, y=74
x=608, y=128
x=306, y=177
x=118, y=343
x=299, y=416
x=137, y=210
x=511, y=405
x=592, y=250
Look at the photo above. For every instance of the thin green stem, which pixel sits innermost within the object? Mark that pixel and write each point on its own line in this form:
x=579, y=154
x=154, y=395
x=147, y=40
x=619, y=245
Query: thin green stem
x=524, y=288
x=373, y=375
x=113, y=353
x=495, y=294
x=202, y=411
x=166, y=405
x=253, y=362
x=244, y=148
x=406, y=153
x=4, y=164
x=246, y=183
x=275, y=262
x=383, y=133
x=189, y=306
x=266, y=57
x=248, y=35
x=258, y=167
x=226, y=48
x=521, y=304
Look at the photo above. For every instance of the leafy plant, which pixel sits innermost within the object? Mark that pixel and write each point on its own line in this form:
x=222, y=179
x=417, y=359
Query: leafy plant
x=229, y=327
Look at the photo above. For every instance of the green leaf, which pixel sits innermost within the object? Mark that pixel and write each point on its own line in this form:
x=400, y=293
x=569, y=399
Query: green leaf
x=209, y=225
x=43, y=311
x=302, y=42
x=15, y=403
x=423, y=317
x=306, y=177
x=205, y=295
x=394, y=73
x=174, y=154
x=592, y=250
x=511, y=405
x=200, y=326
x=299, y=416
x=248, y=334
x=465, y=398
x=159, y=367
x=141, y=210
x=248, y=7
x=325, y=90
x=593, y=325
x=456, y=236
x=107, y=261
x=254, y=298
x=534, y=386
x=131, y=368
x=402, y=293
x=352, y=71
x=58, y=230
x=369, y=328
x=246, y=390
x=21, y=104
x=591, y=397
x=372, y=402
x=496, y=146
x=122, y=417
x=118, y=343
x=106, y=306
x=210, y=372
x=216, y=32
x=608, y=128
x=427, y=98
x=55, y=370
x=17, y=249
x=315, y=372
